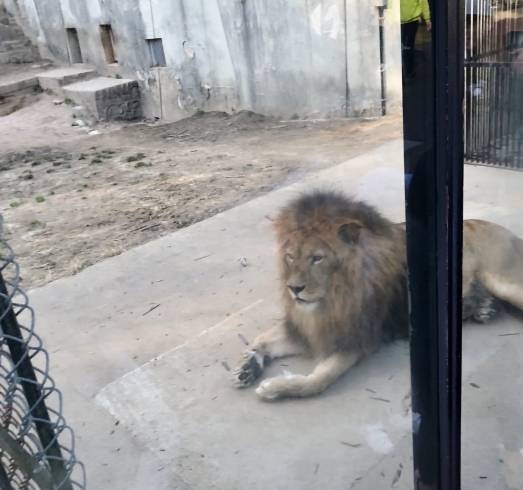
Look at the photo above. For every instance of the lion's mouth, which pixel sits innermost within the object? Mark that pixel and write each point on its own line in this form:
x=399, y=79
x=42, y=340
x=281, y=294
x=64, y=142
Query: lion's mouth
x=304, y=301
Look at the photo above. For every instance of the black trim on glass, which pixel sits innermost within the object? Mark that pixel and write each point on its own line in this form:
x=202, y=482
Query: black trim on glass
x=433, y=131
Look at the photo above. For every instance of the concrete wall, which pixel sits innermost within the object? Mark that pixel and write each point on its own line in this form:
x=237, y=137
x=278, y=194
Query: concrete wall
x=279, y=58
x=15, y=46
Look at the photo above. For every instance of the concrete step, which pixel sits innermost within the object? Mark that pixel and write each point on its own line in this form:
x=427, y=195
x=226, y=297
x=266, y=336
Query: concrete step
x=107, y=99
x=56, y=79
x=10, y=33
x=20, y=86
x=13, y=44
x=7, y=48
x=26, y=55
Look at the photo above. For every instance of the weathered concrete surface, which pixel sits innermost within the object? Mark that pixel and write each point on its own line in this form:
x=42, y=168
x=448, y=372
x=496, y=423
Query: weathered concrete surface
x=180, y=424
x=217, y=438
x=107, y=98
x=298, y=56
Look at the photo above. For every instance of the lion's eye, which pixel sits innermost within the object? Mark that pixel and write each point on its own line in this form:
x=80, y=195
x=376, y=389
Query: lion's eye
x=317, y=258
x=289, y=258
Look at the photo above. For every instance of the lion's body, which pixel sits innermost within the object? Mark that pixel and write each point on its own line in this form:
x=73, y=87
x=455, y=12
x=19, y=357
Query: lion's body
x=344, y=284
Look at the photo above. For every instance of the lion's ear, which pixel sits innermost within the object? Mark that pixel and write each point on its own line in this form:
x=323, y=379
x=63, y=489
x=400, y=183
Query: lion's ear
x=350, y=232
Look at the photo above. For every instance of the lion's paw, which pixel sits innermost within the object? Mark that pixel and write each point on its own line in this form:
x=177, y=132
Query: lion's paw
x=267, y=390
x=484, y=315
x=273, y=388
x=250, y=368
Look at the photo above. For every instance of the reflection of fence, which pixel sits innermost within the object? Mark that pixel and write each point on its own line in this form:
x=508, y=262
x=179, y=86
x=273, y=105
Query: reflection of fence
x=36, y=445
x=494, y=114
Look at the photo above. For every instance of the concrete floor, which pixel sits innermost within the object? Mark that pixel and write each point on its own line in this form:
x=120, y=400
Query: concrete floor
x=150, y=398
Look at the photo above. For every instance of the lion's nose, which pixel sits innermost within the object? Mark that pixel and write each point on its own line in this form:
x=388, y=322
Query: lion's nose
x=296, y=289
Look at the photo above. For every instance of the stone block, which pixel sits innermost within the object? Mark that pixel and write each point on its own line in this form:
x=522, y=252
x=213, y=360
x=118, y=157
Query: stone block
x=107, y=98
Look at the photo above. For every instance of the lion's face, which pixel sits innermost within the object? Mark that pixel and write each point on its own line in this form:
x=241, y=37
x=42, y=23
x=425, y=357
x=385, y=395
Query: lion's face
x=308, y=266
x=312, y=262
x=342, y=272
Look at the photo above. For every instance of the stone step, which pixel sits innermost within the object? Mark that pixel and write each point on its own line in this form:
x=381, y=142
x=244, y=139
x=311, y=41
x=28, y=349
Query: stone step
x=107, y=99
x=20, y=86
x=27, y=55
x=6, y=48
x=56, y=79
x=13, y=43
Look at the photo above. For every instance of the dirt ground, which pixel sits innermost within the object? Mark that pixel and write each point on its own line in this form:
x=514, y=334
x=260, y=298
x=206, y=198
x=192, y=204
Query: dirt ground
x=70, y=199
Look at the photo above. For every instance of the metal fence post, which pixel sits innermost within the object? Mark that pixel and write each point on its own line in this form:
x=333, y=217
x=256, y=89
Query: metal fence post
x=31, y=416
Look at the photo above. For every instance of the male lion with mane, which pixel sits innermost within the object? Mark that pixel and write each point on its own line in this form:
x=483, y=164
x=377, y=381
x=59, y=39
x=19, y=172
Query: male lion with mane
x=344, y=281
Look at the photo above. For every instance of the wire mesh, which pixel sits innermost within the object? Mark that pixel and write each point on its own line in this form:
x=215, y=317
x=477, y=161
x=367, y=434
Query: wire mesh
x=30, y=404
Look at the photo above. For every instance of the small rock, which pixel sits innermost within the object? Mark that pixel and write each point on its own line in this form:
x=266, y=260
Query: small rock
x=93, y=133
x=80, y=123
x=243, y=261
x=81, y=111
x=36, y=66
x=58, y=102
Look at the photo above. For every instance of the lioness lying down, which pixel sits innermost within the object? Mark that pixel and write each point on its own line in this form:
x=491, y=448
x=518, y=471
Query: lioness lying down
x=344, y=281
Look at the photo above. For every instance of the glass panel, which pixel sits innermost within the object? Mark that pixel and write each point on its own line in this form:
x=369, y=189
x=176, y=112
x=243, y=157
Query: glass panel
x=433, y=127
x=492, y=282
x=216, y=247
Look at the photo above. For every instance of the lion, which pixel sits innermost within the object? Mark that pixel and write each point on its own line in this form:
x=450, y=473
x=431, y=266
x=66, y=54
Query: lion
x=343, y=271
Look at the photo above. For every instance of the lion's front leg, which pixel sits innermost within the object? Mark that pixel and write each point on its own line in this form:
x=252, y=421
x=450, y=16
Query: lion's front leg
x=266, y=347
x=326, y=372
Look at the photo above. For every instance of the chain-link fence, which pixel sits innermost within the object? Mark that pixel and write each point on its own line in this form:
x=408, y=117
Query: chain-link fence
x=36, y=445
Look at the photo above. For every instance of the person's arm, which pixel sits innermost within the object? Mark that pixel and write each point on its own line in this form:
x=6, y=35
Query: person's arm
x=425, y=13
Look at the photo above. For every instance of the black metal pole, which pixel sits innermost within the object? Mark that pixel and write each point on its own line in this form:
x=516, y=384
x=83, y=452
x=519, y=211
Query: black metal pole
x=448, y=48
x=34, y=396
x=433, y=105
x=382, y=61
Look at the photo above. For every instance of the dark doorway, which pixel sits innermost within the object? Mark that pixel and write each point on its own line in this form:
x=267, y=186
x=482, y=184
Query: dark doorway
x=106, y=34
x=75, y=52
x=157, y=52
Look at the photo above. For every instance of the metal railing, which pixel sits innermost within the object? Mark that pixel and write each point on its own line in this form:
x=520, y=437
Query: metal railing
x=494, y=114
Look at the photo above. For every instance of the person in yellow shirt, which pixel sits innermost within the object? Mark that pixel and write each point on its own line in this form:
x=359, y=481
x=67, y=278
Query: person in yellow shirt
x=412, y=12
